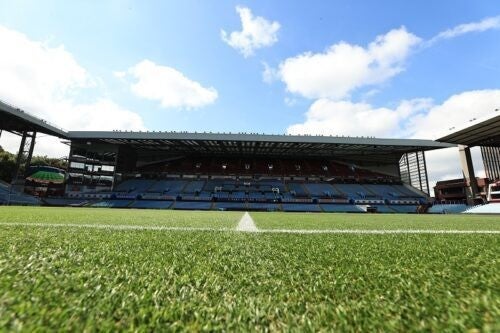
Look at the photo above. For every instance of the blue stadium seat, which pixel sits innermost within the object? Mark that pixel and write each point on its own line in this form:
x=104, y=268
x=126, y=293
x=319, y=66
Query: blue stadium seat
x=65, y=201
x=230, y=205
x=194, y=205
x=297, y=189
x=152, y=204
x=112, y=203
x=321, y=190
x=447, y=208
x=297, y=207
x=263, y=206
x=404, y=208
x=194, y=186
x=341, y=208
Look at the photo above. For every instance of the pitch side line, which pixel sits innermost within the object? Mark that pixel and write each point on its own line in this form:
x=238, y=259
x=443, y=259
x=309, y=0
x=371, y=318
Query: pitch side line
x=260, y=231
x=377, y=231
x=115, y=227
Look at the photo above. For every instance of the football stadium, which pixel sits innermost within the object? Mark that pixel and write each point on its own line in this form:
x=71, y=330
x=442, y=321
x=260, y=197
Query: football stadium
x=268, y=166
x=245, y=172
x=210, y=231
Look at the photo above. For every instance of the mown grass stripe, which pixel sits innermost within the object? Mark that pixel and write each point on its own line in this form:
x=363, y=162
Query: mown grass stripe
x=274, y=231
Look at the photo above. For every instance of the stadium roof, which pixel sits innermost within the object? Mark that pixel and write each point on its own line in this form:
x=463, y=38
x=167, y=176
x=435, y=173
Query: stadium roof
x=261, y=144
x=366, y=148
x=16, y=120
x=483, y=133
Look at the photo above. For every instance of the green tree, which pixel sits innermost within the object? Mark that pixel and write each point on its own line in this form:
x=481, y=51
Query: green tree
x=48, y=161
x=7, y=165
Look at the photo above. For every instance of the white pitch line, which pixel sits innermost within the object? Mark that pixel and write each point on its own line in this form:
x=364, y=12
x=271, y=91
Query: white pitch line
x=114, y=226
x=262, y=231
x=377, y=231
x=247, y=224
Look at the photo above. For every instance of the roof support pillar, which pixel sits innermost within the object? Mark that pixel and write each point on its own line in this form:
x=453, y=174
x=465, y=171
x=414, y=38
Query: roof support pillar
x=23, y=160
x=426, y=174
x=468, y=171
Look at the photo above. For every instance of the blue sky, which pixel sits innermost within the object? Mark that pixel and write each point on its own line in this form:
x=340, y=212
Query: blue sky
x=165, y=65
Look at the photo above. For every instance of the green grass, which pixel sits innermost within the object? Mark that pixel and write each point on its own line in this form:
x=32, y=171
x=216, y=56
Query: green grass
x=375, y=221
x=85, y=279
x=141, y=217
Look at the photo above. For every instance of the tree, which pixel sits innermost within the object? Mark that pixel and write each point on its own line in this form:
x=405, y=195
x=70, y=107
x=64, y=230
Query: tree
x=48, y=161
x=7, y=165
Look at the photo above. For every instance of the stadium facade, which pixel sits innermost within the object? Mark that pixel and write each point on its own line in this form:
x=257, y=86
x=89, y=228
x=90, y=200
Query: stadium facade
x=234, y=170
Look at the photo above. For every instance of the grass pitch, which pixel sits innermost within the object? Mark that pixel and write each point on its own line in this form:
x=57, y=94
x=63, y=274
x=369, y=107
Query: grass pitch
x=324, y=221
x=74, y=279
x=133, y=217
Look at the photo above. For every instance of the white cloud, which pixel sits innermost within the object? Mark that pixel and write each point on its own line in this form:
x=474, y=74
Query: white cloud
x=120, y=74
x=416, y=118
x=44, y=81
x=100, y=115
x=330, y=117
x=257, y=32
x=169, y=86
x=455, y=112
x=483, y=25
x=344, y=67
x=30, y=67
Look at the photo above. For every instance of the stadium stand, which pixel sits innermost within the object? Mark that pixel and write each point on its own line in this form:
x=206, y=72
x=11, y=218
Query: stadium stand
x=381, y=190
x=112, y=203
x=192, y=205
x=151, y=204
x=76, y=202
x=321, y=190
x=289, y=207
x=297, y=190
x=11, y=197
x=404, y=208
x=134, y=169
x=407, y=191
x=264, y=194
x=134, y=186
x=355, y=191
x=340, y=208
x=230, y=205
x=194, y=186
x=383, y=209
x=259, y=206
x=172, y=187
x=447, y=208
